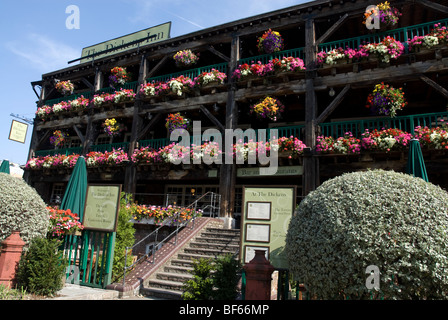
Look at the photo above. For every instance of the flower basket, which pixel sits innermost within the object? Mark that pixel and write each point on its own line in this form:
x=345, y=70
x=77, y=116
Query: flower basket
x=118, y=77
x=185, y=58
x=387, y=15
x=112, y=127
x=270, y=42
x=65, y=88
x=177, y=121
x=386, y=100
x=58, y=138
x=268, y=108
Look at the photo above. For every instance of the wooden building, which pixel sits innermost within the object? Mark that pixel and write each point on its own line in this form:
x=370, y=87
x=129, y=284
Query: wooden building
x=323, y=100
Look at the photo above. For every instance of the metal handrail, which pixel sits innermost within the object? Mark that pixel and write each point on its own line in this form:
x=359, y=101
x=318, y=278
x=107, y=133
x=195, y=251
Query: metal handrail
x=156, y=232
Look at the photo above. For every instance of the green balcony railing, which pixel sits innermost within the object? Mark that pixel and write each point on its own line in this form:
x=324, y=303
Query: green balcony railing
x=296, y=53
x=87, y=95
x=400, y=34
x=192, y=73
x=66, y=151
x=130, y=85
x=154, y=143
x=109, y=147
x=405, y=123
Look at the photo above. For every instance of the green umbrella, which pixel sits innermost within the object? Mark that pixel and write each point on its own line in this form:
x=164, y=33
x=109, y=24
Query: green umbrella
x=75, y=194
x=5, y=167
x=416, y=164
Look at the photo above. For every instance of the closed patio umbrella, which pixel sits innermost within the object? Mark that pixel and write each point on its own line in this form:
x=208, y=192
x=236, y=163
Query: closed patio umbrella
x=75, y=193
x=416, y=164
x=5, y=167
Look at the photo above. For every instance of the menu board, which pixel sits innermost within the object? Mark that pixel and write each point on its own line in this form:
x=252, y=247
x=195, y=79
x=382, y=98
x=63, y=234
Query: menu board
x=267, y=212
x=101, y=209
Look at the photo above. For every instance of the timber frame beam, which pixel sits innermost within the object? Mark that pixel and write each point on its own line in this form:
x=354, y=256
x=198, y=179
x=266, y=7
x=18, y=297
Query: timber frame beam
x=435, y=85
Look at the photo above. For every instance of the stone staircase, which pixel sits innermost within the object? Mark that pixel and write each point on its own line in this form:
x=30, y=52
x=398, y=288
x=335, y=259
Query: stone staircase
x=210, y=243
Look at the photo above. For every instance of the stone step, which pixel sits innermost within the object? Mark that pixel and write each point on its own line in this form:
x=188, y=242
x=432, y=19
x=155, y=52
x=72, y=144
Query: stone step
x=225, y=241
x=182, y=263
x=178, y=269
x=218, y=235
x=164, y=284
x=175, y=277
x=208, y=251
x=216, y=246
x=161, y=293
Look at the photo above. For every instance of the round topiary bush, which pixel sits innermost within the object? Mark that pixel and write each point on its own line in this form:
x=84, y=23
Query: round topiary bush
x=376, y=218
x=21, y=209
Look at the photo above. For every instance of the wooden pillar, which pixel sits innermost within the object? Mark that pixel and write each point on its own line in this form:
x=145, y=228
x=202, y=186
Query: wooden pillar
x=92, y=132
x=130, y=182
x=310, y=162
x=228, y=171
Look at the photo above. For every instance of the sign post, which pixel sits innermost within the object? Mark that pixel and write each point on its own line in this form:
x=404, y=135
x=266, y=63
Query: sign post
x=18, y=131
x=100, y=222
x=267, y=212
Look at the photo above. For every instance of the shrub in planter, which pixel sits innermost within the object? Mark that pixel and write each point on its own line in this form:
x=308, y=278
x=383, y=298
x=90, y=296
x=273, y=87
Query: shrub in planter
x=41, y=268
x=391, y=220
x=21, y=209
x=226, y=278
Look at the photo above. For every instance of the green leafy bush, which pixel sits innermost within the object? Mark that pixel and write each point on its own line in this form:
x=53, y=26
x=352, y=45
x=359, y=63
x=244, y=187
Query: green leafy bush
x=226, y=277
x=124, y=238
x=41, y=268
x=391, y=220
x=201, y=286
x=21, y=209
x=213, y=279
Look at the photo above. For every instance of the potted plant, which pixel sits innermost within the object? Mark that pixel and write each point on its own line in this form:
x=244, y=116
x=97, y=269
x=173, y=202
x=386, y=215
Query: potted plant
x=112, y=127
x=118, y=76
x=58, y=138
x=387, y=15
x=185, y=58
x=268, y=108
x=386, y=100
x=270, y=42
x=65, y=88
x=176, y=121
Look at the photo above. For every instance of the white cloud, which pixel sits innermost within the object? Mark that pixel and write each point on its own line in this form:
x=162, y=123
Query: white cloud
x=43, y=53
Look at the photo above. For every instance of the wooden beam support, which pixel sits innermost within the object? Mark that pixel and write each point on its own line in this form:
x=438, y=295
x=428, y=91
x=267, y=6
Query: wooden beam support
x=432, y=5
x=148, y=127
x=212, y=118
x=333, y=105
x=219, y=54
x=79, y=133
x=157, y=67
x=87, y=83
x=332, y=29
x=435, y=85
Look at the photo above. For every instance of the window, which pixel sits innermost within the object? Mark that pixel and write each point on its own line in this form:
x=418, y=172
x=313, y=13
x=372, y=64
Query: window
x=57, y=193
x=103, y=139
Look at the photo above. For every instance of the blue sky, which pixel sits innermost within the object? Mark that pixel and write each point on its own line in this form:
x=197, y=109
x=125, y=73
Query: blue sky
x=35, y=41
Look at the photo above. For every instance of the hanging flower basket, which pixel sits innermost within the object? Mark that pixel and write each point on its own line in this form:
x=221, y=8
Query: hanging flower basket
x=176, y=121
x=65, y=88
x=112, y=127
x=118, y=76
x=386, y=100
x=185, y=58
x=387, y=15
x=58, y=138
x=268, y=108
x=270, y=41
